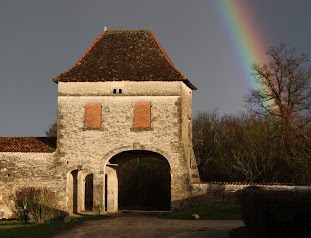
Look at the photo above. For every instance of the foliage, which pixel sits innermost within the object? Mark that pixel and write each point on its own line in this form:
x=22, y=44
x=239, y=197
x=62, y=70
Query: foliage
x=42, y=230
x=39, y=203
x=248, y=148
x=272, y=142
x=209, y=144
x=273, y=213
x=209, y=212
x=224, y=147
x=52, y=131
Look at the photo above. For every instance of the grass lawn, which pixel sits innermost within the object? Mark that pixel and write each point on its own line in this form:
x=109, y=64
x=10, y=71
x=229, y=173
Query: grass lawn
x=12, y=229
x=209, y=212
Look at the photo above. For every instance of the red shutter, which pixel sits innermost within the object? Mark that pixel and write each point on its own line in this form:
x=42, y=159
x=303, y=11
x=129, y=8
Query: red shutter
x=93, y=115
x=142, y=115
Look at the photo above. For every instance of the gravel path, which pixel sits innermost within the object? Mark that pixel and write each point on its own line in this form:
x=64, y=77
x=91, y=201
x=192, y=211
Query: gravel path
x=145, y=225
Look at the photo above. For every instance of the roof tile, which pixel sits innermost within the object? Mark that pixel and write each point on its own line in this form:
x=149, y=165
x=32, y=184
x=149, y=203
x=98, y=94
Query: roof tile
x=124, y=56
x=28, y=144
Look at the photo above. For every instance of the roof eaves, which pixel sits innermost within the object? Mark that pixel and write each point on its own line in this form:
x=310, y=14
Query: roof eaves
x=165, y=55
x=60, y=77
x=187, y=82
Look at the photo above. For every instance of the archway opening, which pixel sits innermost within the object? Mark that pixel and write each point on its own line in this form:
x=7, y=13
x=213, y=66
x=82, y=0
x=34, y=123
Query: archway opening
x=88, y=199
x=80, y=191
x=144, y=180
x=74, y=190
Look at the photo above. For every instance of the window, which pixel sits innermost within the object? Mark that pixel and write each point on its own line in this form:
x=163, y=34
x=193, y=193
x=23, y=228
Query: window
x=115, y=91
x=142, y=115
x=93, y=115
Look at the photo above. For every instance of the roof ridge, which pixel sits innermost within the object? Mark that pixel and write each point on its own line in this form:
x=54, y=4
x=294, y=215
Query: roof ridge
x=127, y=30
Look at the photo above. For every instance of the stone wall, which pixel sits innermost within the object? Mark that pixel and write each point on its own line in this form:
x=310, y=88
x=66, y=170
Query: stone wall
x=30, y=169
x=92, y=148
x=211, y=193
x=85, y=148
x=187, y=133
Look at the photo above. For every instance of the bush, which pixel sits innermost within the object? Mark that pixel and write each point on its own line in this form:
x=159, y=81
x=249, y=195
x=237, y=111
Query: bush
x=36, y=203
x=248, y=148
x=268, y=213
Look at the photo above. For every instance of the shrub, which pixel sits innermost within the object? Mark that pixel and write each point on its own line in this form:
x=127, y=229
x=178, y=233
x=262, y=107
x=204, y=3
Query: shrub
x=276, y=213
x=39, y=203
x=248, y=148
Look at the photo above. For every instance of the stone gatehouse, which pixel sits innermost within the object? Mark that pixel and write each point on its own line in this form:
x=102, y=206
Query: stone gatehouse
x=123, y=99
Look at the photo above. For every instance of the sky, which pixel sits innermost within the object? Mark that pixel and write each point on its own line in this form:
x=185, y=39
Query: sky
x=212, y=42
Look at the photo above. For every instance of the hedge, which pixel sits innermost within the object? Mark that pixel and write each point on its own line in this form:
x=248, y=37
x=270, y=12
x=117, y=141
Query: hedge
x=276, y=213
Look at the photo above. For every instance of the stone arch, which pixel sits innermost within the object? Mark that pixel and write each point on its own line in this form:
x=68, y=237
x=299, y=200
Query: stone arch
x=119, y=150
x=76, y=189
x=117, y=158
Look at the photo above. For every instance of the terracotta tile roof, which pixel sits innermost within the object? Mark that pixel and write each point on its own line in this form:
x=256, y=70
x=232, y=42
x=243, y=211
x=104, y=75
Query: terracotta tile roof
x=124, y=56
x=28, y=144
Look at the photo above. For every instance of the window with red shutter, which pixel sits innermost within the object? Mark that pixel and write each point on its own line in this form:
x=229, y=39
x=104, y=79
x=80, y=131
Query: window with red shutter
x=93, y=115
x=142, y=115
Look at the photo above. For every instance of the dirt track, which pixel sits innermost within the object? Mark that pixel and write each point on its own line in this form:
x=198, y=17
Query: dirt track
x=146, y=225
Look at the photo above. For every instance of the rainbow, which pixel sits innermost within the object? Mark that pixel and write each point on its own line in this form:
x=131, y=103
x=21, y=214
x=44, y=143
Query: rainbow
x=243, y=32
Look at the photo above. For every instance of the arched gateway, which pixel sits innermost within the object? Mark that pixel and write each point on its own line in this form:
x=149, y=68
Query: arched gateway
x=122, y=101
x=137, y=179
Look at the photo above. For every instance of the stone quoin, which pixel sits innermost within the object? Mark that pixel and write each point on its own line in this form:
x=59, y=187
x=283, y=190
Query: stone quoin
x=122, y=99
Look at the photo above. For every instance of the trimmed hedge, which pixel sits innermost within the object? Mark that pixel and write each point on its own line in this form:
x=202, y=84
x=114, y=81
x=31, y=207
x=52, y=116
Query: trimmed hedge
x=276, y=213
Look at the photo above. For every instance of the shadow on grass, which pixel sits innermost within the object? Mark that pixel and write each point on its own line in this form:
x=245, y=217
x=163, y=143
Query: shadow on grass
x=44, y=230
x=208, y=212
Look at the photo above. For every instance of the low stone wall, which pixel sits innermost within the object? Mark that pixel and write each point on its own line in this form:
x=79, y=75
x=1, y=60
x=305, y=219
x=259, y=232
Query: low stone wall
x=30, y=169
x=212, y=193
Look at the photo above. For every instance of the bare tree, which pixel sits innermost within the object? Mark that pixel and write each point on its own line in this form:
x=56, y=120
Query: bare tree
x=284, y=92
x=52, y=131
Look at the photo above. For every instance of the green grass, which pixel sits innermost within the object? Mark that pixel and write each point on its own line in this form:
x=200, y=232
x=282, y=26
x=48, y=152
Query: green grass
x=209, y=212
x=11, y=229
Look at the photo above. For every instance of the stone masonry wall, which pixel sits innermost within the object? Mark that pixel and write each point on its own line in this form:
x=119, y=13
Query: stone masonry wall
x=83, y=149
x=92, y=148
x=213, y=193
x=187, y=134
x=30, y=169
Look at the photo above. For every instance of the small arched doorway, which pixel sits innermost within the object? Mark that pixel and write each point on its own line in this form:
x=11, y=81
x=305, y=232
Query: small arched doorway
x=143, y=180
x=88, y=192
x=79, y=191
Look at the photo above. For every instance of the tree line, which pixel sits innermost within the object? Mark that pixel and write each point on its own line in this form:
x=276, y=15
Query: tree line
x=271, y=142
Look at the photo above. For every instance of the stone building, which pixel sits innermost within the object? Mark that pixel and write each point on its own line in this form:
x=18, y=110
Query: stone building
x=123, y=99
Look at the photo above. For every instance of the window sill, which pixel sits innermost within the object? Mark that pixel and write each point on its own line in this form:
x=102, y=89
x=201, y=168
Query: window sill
x=141, y=129
x=92, y=129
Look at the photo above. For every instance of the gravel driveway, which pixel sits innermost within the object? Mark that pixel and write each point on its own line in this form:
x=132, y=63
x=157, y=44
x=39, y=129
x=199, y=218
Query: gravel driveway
x=147, y=225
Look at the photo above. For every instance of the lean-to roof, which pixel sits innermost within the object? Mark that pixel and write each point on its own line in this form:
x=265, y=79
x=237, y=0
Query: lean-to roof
x=28, y=144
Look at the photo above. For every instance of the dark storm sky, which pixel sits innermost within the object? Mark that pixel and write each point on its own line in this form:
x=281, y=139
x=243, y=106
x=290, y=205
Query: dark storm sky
x=40, y=39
